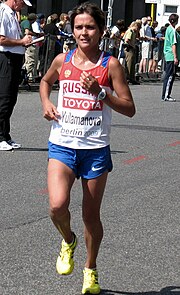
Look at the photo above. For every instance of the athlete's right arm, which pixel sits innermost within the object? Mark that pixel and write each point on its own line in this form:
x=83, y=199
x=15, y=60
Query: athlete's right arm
x=49, y=109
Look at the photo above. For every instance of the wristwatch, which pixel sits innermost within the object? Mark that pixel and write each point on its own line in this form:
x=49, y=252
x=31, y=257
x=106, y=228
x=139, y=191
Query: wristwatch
x=102, y=94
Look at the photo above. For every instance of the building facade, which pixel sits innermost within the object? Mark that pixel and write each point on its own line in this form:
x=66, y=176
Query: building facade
x=165, y=8
x=128, y=10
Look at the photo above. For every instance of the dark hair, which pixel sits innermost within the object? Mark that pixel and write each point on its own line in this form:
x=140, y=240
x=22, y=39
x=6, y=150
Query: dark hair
x=93, y=10
x=40, y=16
x=32, y=16
x=173, y=18
x=120, y=23
x=163, y=30
x=54, y=18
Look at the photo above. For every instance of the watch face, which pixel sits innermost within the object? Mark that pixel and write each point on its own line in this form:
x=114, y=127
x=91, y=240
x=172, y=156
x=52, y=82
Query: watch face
x=102, y=94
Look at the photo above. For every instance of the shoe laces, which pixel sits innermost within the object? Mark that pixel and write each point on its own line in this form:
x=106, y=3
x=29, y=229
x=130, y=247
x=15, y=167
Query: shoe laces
x=90, y=276
x=66, y=252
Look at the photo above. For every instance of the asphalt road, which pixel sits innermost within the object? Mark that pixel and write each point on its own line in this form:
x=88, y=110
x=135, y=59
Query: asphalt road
x=140, y=252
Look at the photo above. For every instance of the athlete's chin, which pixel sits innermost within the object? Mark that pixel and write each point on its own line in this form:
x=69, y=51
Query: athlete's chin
x=85, y=44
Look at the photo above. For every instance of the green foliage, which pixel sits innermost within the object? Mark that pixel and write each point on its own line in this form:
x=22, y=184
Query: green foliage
x=23, y=17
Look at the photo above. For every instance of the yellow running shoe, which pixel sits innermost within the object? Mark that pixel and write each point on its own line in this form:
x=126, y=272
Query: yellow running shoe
x=90, y=284
x=65, y=262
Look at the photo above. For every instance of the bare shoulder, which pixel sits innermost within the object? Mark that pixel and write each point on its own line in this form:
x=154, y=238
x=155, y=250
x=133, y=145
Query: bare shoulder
x=114, y=64
x=116, y=70
x=60, y=56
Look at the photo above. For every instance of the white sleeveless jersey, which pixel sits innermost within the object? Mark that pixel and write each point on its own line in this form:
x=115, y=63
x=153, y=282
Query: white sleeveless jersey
x=84, y=122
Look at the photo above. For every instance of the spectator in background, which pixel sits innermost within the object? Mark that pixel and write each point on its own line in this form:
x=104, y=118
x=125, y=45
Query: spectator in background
x=69, y=43
x=160, y=35
x=172, y=57
x=31, y=56
x=138, y=43
x=62, y=21
x=145, y=36
x=104, y=42
x=139, y=21
x=48, y=21
x=51, y=44
x=37, y=27
x=116, y=35
x=178, y=33
x=178, y=30
x=153, y=61
x=130, y=51
x=67, y=25
x=26, y=24
x=12, y=49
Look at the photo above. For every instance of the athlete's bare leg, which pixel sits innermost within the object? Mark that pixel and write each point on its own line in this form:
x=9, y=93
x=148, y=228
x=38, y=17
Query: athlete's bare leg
x=60, y=181
x=93, y=231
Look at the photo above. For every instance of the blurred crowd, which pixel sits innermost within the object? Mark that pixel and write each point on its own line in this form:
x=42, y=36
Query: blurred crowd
x=139, y=46
x=51, y=36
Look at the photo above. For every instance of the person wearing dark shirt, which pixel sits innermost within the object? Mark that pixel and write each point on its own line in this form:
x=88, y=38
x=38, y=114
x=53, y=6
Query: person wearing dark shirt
x=52, y=46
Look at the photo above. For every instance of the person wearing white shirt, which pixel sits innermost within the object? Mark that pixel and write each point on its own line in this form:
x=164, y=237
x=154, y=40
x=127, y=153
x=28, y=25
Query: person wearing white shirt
x=37, y=27
x=146, y=37
x=12, y=49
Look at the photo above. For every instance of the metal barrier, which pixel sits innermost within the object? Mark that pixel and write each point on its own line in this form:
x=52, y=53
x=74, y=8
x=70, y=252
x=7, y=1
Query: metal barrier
x=147, y=75
x=51, y=46
x=154, y=63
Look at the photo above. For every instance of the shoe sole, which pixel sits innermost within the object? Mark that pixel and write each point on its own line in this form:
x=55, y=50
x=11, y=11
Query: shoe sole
x=17, y=147
x=167, y=100
x=88, y=291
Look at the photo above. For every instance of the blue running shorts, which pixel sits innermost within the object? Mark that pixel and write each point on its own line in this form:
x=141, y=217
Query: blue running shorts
x=86, y=163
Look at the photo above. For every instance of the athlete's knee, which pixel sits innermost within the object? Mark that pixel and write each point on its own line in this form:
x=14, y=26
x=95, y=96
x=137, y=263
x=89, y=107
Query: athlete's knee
x=57, y=210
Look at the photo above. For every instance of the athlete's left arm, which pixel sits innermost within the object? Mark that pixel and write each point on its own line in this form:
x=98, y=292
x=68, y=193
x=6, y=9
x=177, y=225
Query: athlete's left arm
x=121, y=101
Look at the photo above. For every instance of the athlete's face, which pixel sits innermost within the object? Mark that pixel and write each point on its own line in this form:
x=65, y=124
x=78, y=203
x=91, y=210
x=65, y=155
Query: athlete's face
x=86, y=31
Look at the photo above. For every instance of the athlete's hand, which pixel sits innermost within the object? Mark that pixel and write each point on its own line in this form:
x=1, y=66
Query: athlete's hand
x=50, y=111
x=90, y=83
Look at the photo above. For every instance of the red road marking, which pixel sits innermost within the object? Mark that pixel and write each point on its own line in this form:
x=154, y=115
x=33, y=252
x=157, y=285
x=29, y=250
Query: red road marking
x=174, y=143
x=133, y=160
